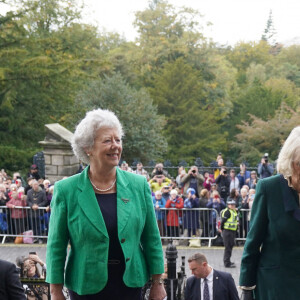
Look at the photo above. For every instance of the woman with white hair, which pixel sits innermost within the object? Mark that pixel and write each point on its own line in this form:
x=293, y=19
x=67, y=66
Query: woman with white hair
x=107, y=216
x=175, y=201
x=271, y=259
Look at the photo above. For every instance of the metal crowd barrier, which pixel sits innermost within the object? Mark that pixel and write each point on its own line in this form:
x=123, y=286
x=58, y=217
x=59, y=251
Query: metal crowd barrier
x=244, y=224
x=178, y=224
x=19, y=220
x=196, y=223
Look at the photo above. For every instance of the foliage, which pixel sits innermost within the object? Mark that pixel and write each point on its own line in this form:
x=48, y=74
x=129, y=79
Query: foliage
x=14, y=159
x=134, y=108
x=269, y=34
x=165, y=34
x=262, y=136
x=193, y=126
x=42, y=68
x=53, y=68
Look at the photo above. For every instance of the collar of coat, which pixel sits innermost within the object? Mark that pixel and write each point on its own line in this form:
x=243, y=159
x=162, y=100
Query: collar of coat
x=290, y=199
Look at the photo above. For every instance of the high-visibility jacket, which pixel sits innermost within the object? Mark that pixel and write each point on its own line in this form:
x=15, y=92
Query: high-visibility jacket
x=232, y=221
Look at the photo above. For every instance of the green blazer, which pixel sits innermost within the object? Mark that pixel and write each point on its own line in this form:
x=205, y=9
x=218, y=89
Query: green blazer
x=271, y=258
x=76, y=219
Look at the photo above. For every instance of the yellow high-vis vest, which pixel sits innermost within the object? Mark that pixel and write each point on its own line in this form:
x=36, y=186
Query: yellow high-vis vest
x=232, y=221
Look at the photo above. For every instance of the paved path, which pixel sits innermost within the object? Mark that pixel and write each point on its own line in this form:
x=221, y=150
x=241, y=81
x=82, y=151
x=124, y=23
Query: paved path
x=214, y=255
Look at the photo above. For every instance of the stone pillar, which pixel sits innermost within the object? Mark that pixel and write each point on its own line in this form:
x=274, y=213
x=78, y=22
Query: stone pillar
x=59, y=158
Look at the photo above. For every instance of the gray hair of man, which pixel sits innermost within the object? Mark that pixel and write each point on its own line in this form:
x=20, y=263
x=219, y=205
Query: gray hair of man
x=198, y=257
x=288, y=153
x=86, y=131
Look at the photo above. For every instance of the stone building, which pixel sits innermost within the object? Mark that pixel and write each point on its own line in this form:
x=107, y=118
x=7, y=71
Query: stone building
x=60, y=160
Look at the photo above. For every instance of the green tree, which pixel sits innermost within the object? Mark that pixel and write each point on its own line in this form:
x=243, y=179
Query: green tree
x=243, y=54
x=166, y=33
x=269, y=34
x=42, y=69
x=193, y=126
x=134, y=108
x=262, y=136
x=259, y=100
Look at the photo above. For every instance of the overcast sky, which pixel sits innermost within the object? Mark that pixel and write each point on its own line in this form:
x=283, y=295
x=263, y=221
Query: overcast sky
x=233, y=20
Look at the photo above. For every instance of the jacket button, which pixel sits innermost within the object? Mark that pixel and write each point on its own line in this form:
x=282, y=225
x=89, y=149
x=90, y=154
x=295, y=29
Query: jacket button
x=127, y=259
x=123, y=240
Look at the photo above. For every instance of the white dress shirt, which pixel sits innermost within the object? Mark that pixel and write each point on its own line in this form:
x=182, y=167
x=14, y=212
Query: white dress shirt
x=210, y=281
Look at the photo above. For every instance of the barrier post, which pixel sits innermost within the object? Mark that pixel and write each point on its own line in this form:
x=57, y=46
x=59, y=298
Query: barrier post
x=172, y=281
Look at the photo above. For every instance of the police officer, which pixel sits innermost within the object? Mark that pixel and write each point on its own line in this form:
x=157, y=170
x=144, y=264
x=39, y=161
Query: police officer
x=229, y=224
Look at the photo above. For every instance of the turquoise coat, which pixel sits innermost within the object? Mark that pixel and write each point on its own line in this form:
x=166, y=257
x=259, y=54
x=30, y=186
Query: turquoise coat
x=271, y=258
x=76, y=219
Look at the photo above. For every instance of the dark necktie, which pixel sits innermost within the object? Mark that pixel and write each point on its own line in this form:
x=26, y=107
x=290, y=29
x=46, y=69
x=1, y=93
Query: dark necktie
x=205, y=290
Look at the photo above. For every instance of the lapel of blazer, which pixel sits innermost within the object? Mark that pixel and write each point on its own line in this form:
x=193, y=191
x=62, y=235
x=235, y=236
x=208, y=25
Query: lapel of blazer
x=88, y=202
x=216, y=281
x=290, y=199
x=124, y=200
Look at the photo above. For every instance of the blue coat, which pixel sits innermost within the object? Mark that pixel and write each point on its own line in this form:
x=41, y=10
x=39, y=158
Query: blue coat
x=160, y=214
x=191, y=217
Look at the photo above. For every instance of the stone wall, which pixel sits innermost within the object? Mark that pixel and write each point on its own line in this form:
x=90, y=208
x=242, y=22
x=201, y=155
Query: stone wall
x=60, y=160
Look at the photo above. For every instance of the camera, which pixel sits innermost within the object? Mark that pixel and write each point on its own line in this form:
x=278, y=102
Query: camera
x=194, y=171
x=224, y=172
x=159, y=172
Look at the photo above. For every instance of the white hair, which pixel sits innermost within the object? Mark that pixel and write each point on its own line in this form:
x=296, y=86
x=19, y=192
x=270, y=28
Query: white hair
x=174, y=192
x=46, y=181
x=157, y=193
x=289, y=152
x=86, y=130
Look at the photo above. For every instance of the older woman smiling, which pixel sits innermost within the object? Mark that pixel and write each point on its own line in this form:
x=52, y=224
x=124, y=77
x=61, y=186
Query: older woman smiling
x=107, y=216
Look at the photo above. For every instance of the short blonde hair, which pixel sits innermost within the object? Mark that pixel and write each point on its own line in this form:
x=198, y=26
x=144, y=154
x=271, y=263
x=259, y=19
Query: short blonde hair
x=288, y=153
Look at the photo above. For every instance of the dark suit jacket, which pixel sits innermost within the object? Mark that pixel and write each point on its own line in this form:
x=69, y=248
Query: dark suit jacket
x=271, y=258
x=10, y=285
x=223, y=287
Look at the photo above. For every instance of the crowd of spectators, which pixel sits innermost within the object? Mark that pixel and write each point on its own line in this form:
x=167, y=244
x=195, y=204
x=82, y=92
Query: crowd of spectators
x=210, y=190
x=189, y=189
x=35, y=193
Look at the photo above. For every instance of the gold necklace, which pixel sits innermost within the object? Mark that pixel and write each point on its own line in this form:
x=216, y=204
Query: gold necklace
x=100, y=190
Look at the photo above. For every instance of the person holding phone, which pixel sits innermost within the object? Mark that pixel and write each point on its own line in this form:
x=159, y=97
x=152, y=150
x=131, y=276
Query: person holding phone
x=193, y=179
x=223, y=182
x=29, y=266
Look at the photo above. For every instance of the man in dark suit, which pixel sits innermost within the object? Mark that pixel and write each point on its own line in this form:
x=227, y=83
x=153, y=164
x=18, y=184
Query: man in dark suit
x=207, y=283
x=10, y=285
